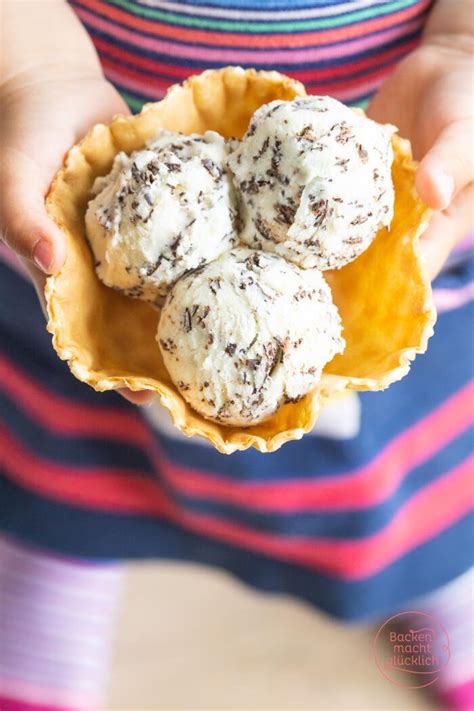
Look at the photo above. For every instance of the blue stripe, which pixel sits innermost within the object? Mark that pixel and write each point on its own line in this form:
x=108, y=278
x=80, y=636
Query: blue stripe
x=90, y=535
x=265, y=5
x=80, y=452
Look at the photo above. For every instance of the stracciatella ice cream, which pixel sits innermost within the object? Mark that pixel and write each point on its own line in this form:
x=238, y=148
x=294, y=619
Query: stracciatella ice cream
x=161, y=212
x=246, y=334
x=315, y=181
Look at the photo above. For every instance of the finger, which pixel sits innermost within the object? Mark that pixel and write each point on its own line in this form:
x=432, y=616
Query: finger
x=448, y=166
x=446, y=229
x=24, y=223
x=140, y=397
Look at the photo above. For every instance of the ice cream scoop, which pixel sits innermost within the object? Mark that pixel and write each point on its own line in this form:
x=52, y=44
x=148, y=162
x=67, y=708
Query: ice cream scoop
x=246, y=334
x=160, y=212
x=315, y=180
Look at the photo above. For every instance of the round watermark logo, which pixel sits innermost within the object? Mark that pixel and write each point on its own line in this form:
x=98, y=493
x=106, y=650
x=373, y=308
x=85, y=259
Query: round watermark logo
x=411, y=648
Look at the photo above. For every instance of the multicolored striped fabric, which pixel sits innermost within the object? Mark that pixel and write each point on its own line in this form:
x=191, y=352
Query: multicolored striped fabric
x=371, y=509
x=56, y=630
x=355, y=525
x=344, y=49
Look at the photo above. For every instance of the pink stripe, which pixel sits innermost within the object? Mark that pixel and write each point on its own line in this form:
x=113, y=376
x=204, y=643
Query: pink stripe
x=9, y=704
x=234, y=56
x=46, y=697
x=342, y=93
x=427, y=514
x=67, y=416
x=449, y=299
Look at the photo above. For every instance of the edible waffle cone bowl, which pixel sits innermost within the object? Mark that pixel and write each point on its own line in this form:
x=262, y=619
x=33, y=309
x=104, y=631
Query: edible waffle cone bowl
x=108, y=339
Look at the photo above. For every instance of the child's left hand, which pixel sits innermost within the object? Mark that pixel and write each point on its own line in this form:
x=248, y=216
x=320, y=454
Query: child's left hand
x=429, y=98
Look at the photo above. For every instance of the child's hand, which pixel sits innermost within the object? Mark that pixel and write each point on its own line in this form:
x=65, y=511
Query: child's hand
x=42, y=117
x=429, y=97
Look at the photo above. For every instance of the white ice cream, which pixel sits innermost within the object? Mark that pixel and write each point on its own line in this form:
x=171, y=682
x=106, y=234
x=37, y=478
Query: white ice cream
x=160, y=212
x=315, y=180
x=247, y=333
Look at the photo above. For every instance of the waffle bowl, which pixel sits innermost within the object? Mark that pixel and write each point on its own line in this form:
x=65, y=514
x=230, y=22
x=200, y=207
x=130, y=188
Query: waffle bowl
x=108, y=339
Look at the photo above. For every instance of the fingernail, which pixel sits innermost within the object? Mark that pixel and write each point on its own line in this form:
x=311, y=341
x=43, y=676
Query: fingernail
x=445, y=187
x=43, y=255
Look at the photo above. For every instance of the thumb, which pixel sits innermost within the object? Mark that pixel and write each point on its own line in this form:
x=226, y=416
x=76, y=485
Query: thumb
x=446, y=229
x=448, y=166
x=24, y=225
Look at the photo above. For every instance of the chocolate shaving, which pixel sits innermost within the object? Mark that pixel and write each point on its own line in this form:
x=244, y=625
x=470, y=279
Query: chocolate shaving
x=173, y=167
x=262, y=150
x=359, y=220
x=363, y=155
x=253, y=363
x=344, y=134
x=212, y=168
x=215, y=284
x=321, y=212
x=285, y=213
x=307, y=134
x=187, y=321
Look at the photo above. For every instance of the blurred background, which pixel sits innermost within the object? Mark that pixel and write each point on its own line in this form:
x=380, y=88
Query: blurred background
x=193, y=639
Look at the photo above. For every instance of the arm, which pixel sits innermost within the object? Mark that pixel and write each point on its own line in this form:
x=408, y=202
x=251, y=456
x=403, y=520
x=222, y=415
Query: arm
x=429, y=97
x=52, y=91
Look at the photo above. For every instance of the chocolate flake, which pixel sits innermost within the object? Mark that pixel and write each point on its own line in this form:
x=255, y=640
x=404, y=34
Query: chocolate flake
x=230, y=348
x=363, y=155
x=253, y=363
x=285, y=213
x=187, y=321
x=344, y=134
x=359, y=220
x=306, y=134
x=321, y=212
x=263, y=149
x=168, y=345
x=252, y=186
x=212, y=168
x=342, y=163
x=215, y=284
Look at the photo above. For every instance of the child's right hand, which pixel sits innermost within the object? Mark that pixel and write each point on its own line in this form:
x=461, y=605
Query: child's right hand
x=42, y=117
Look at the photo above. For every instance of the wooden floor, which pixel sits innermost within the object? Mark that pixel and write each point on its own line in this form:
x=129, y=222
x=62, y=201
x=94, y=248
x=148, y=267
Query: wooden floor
x=192, y=639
